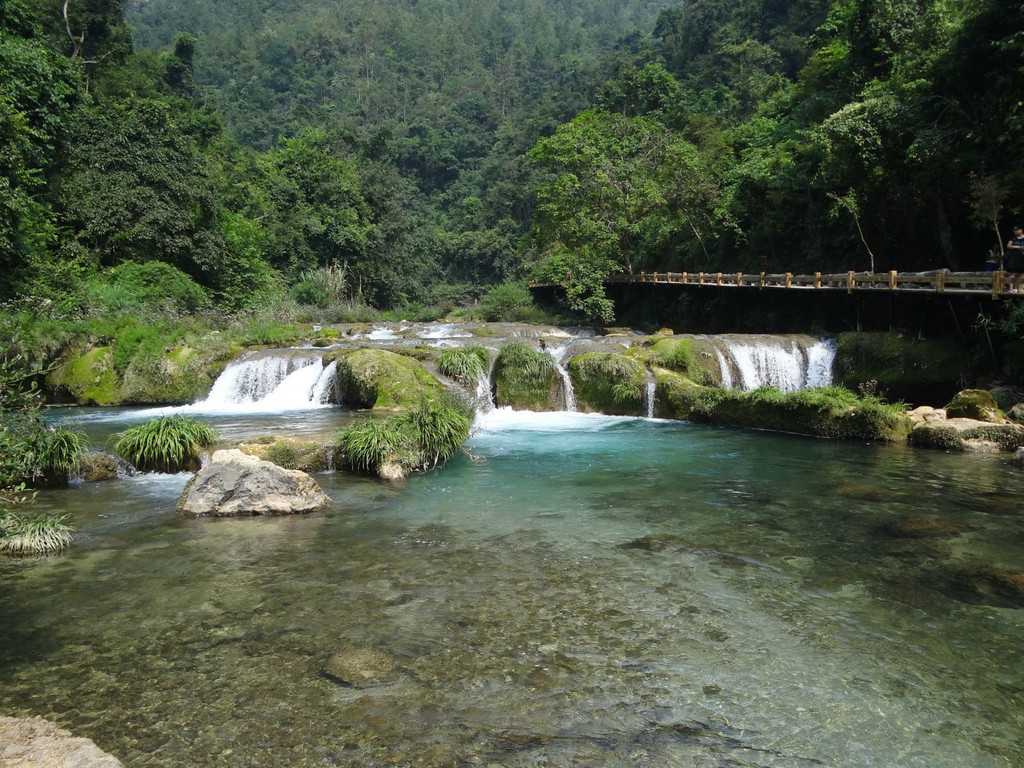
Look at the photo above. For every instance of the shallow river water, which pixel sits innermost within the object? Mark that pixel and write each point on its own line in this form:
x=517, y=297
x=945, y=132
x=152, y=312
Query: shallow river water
x=776, y=615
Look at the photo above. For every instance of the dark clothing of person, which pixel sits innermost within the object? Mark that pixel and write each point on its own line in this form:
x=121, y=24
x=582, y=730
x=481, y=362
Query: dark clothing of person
x=1015, y=255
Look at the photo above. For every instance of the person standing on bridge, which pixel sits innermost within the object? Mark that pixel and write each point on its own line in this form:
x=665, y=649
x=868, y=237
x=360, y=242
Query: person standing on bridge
x=1015, y=258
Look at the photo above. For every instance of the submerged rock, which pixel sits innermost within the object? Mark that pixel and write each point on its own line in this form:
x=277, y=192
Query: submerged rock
x=237, y=484
x=924, y=527
x=660, y=542
x=37, y=743
x=988, y=584
x=361, y=667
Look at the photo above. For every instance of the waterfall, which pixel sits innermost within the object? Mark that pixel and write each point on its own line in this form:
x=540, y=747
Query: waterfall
x=272, y=380
x=650, y=391
x=568, y=394
x=788, y=363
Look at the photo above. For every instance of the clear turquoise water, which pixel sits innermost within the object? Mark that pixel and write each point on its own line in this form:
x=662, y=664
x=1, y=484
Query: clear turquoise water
x=782, y=625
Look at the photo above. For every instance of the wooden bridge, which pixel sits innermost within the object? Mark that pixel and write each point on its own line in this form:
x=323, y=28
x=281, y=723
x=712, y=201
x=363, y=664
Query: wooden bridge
x=995, y=284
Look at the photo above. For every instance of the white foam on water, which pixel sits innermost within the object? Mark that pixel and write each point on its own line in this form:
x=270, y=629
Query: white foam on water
x=505, y=419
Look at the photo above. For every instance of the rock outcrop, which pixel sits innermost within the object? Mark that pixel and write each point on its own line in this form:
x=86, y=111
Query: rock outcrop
x=37, y=743
x=975, y=404
x=968, y=435
x=237, y=484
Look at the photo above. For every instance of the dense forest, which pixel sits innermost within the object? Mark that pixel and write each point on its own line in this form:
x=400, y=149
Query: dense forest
x=426, y=151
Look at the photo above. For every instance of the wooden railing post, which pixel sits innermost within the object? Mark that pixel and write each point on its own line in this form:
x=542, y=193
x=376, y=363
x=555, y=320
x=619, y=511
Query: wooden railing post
x=817, y=279
x=851, y=280
x=762, y=279
x=719, y=279
x=700, y=278
x=892, y=280
x=940, y=280
x=997, y=282
x=789, y=279
x=739, y=279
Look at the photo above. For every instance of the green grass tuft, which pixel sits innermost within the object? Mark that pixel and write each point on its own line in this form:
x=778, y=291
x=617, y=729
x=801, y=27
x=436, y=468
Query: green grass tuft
x=33, y=534
x=463, y=364
x=166, y=444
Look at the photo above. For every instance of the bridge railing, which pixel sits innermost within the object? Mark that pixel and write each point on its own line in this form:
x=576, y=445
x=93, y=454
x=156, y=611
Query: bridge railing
x=938, y=281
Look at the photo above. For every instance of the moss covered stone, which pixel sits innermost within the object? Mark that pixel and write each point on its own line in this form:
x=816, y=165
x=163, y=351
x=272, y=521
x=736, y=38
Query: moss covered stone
x=826, y=412
x=88, y=378
x=524, y=378
x=306, y=456
x=377, y=378
x=975, y=404
x=957, y=435
x=608, y=382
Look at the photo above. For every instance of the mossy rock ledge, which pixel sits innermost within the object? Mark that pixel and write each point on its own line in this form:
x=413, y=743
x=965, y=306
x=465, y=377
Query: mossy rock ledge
x=88, y=378
x=526, y=379
x=968, y=435
x=830, y=412
x=383, y=380
x=610, y=383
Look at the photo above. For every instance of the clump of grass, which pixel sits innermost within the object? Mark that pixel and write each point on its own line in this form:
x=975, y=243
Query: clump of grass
x=464, y=364
x=166, y=444
x=368, y=444
x=59, y=452
x=417, y=440
x=440, y=427
x=33, y=534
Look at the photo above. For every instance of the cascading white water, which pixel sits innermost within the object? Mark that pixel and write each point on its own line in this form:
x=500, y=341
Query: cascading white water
x=650, y=391
x=568, y=394
x=270, y=381
x=786, y=363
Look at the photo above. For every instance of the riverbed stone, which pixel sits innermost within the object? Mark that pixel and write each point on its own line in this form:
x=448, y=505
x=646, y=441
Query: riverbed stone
x=98, y=467
x=236, y=484
x=991, y=584
x=924, y=527
x=926, y=413
x=34, y=742
x=362, y=667
x=1016, y=413
x=960, y=434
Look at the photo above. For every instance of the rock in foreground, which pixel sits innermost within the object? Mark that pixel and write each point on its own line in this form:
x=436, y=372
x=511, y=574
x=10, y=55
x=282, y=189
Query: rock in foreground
x=237, y=484
x=37, y=743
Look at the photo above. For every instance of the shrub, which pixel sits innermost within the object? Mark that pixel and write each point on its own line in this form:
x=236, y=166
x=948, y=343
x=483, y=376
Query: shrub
x=33, y=534
x=464, y=364
x=507, y=302
x=166, y=444
x=151, y=285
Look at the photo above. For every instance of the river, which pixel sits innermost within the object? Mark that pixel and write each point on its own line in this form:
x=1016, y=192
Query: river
x=575, y=590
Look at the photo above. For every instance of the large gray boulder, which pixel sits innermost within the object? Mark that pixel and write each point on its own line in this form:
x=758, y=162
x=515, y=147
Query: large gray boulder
x=237, y=484
x=37, y=743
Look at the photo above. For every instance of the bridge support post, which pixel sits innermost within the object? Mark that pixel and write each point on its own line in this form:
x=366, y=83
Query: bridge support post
x=851, y=281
